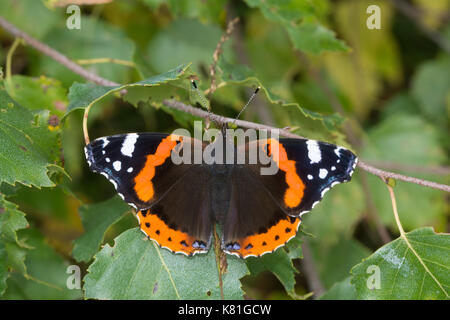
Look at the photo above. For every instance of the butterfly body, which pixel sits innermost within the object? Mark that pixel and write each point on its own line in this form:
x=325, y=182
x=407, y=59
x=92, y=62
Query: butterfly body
x=178, y=202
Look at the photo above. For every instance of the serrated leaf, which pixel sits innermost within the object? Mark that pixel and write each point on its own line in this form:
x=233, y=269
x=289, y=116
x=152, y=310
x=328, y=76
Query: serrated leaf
x=307, y=123
x=38, y=93
x=137, y=268
x=11, y=221
x=83, y=95
x=402, y=273
x=45, y=276
x=27, y=145
x=96, y=219
x=308, y=35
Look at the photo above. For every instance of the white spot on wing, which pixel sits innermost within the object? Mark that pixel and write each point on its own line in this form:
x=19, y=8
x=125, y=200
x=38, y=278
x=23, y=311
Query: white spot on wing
x=323, y=173
x=105, y=142
x=130, y=169
x=108, y=160
x=128, y=144
x=310, y=177
x=338, y=151
x=117, y=165
x=333, y=168
x=314, y=153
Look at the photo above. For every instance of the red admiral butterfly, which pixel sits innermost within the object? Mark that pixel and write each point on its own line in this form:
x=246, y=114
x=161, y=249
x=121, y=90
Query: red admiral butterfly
x=179, y=203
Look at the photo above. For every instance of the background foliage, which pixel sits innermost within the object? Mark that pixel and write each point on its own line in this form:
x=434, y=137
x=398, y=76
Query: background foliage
x=384, y=93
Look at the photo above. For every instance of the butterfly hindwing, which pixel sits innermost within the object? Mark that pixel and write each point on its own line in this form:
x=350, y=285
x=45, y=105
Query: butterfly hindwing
x=265, y=209
x=170, y=210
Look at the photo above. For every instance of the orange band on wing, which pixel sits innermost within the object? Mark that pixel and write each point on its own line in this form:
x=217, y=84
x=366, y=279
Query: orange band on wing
x=143, y=181
x=174, y=240
x=294, y=194
x=269, y=241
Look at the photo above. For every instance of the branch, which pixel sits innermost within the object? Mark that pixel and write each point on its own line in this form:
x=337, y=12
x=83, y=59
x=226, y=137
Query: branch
x=251, y=125
x=55, y=55
x=218, y=51
x=198, y=112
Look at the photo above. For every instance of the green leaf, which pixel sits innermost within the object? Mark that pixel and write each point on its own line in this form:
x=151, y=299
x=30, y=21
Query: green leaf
x=96, y=219
x=406, y=139
x=83, y=95
x=20, y=13
x=137, y=268
x=210, y=11
x=337, y=214
x=342, y=290
x=411, y=268
x=46, y=273
x=431, y=87
x=280, y=264
x=11, y=220
x=180, y=43
x=28, y=145
x=337, y=259
x=301, y=20
x=38, y=93
x=307, y=123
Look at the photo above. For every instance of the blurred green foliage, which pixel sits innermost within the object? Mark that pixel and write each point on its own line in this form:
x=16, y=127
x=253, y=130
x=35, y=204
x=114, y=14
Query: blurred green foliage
x=383, y=93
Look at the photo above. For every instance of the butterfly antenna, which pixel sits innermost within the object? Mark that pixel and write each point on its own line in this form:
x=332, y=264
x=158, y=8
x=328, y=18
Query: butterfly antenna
x=248, y=102
x=203, y=101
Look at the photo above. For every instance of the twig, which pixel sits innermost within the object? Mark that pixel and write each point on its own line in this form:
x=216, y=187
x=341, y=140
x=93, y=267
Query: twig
x=55, y=55
x=222, y=120
x=65, y=3
x=386, y=174
x=198, y=112
x=107, y=60
x=218, y=51
x=436, y=170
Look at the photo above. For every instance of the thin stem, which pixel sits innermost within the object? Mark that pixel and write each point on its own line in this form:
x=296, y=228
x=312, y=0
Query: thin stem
x=408, y=243
x=106, y=60
x=394, y=208
x=9, y=62
x=218, y=51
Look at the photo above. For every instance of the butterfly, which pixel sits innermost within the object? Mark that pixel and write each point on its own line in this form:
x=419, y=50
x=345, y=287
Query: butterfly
x=178, y=204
